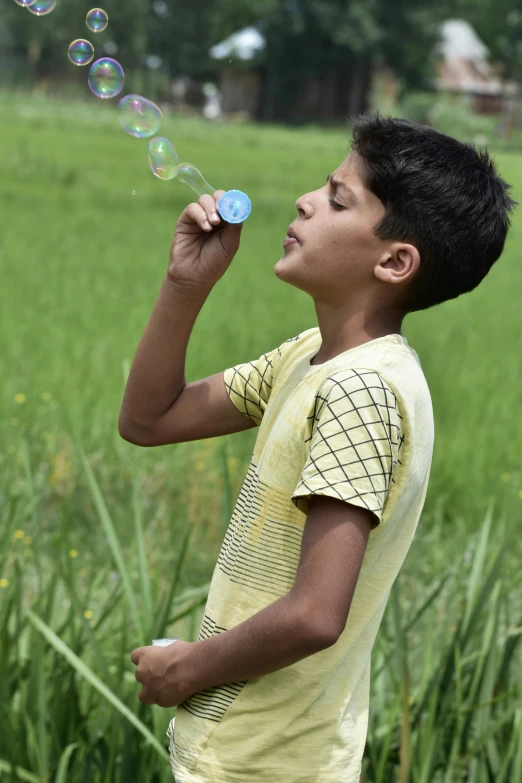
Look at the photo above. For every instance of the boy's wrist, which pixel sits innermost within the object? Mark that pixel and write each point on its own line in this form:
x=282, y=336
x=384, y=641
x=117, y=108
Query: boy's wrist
x=189, y=289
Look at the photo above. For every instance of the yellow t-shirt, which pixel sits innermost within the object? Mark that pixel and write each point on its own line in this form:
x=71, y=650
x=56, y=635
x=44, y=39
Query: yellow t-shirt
x=360, y=428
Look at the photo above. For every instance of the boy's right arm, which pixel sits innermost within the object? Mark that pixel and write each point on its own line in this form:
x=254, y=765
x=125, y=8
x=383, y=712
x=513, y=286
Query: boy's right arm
x=202, y=410
x=158, y=406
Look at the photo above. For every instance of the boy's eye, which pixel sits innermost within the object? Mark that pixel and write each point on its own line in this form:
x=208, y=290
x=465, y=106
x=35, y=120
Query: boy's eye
x=335, y=205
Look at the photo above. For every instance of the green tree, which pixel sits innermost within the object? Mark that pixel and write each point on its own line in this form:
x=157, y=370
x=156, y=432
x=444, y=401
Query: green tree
x=337, y=43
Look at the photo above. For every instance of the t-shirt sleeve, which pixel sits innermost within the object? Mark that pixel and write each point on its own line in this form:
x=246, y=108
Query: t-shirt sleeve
x=249, y=385
x=355, y=439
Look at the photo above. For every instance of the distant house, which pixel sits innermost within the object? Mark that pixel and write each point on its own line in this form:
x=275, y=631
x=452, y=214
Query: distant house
x=461, y=67
x=240, y=89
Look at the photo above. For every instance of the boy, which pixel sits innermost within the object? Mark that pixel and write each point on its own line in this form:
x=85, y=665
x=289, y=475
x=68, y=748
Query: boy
x=277, y=686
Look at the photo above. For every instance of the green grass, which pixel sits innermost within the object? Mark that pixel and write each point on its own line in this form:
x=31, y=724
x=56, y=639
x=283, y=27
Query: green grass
x=130, y=536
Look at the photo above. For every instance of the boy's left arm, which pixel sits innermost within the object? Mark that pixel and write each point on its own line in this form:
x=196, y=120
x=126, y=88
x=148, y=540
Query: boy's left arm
x=310, y=618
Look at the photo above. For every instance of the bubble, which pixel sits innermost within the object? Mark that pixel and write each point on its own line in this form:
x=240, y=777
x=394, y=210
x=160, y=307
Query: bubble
x=106, y=77
x=163, y=158
x=25, y=3
x=42, y=7
x=81, y=51
x=97, y=20
x=138, y=116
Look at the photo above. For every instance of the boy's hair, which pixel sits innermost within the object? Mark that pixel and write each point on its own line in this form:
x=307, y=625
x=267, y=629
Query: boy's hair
x=441, y=195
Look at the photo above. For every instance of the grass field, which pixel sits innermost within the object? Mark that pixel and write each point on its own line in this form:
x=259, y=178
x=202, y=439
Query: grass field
x=104, y=545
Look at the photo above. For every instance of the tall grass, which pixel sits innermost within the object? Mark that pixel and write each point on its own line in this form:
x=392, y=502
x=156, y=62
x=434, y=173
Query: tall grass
x=445, y=702
x=104, y=546
x=64, y=685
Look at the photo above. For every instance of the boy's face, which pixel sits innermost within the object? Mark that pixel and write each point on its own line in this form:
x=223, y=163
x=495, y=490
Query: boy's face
x=337, y=252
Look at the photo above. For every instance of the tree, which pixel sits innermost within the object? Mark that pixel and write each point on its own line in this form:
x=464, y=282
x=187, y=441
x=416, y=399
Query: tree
x=337, y=43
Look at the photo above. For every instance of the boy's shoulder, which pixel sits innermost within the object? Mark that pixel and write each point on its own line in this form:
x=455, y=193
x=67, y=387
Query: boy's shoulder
x=293, y=346
x=302, y=337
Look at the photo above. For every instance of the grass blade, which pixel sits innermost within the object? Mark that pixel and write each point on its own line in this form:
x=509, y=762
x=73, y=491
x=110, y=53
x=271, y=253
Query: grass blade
x=478, y=566
x=88, y=630
x=516, y=772
x=64, y=762
x=142, y=560
x=113, y=540
x=22, y=773
x=159, y=625
x=85, y=672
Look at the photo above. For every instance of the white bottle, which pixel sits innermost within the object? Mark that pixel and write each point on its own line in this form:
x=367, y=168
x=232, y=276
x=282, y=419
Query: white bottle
x=164, y=642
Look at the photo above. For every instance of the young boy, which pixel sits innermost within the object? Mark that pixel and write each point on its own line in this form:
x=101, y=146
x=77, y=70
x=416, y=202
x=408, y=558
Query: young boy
x=277, y=686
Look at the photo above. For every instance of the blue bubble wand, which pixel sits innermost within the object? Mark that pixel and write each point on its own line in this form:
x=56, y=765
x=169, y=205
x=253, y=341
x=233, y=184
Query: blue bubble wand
x=234, y=206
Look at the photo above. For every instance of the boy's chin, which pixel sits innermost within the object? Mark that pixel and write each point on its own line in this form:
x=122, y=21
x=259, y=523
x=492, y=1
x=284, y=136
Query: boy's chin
x=279, y=268
x=283, y=262
x=288, y=272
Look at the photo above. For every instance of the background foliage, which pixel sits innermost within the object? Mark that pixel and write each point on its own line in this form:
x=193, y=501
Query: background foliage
x=104, y=546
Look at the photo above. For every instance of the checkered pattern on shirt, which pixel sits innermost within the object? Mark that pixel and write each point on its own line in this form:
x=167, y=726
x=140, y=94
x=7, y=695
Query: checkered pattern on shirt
x=251, y=382
x=355, y=443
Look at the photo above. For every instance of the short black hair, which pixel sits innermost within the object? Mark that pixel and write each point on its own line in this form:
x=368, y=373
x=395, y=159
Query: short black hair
x=442, y=195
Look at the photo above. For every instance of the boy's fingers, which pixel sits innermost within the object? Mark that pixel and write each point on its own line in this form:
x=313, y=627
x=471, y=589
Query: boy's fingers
x=198, y=215
x=217, y=196
x=209, y=205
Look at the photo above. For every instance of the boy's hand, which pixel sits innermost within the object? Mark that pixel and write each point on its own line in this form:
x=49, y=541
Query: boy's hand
x=203, y=245
x=164, y=673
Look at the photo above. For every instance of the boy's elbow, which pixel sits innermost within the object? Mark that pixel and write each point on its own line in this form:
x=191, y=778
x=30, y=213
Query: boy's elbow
x=135, y=435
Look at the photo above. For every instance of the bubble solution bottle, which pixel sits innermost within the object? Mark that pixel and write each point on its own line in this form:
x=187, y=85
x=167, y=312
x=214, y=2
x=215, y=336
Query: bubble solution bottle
x=164, y=642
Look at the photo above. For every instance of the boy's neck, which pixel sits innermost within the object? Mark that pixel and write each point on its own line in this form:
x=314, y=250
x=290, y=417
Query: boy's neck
x=335, y=342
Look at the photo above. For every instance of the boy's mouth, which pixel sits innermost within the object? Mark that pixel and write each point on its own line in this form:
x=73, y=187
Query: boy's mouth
x=291, y=238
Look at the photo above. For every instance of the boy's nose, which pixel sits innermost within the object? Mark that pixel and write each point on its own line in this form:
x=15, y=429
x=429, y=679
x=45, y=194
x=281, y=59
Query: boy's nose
x=304, y=206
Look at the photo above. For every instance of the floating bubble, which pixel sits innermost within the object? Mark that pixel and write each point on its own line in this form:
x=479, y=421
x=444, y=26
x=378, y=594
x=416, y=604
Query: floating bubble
x=105, y=77
x=163, y=158
x=81, y=51
x=42, y=7
x=97, y=20
x=138, y=116
x=25, y=3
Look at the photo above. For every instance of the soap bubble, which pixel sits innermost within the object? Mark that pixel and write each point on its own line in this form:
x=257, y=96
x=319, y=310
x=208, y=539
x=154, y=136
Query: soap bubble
x=138, y=116
x=42, y=7
x=97, y=20
x=25, y=3
x=163, y=158
x=81, y=51
x=106, y=77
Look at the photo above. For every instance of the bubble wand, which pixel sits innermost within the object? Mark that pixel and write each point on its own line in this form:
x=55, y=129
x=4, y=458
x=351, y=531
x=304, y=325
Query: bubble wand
x=234, y=206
